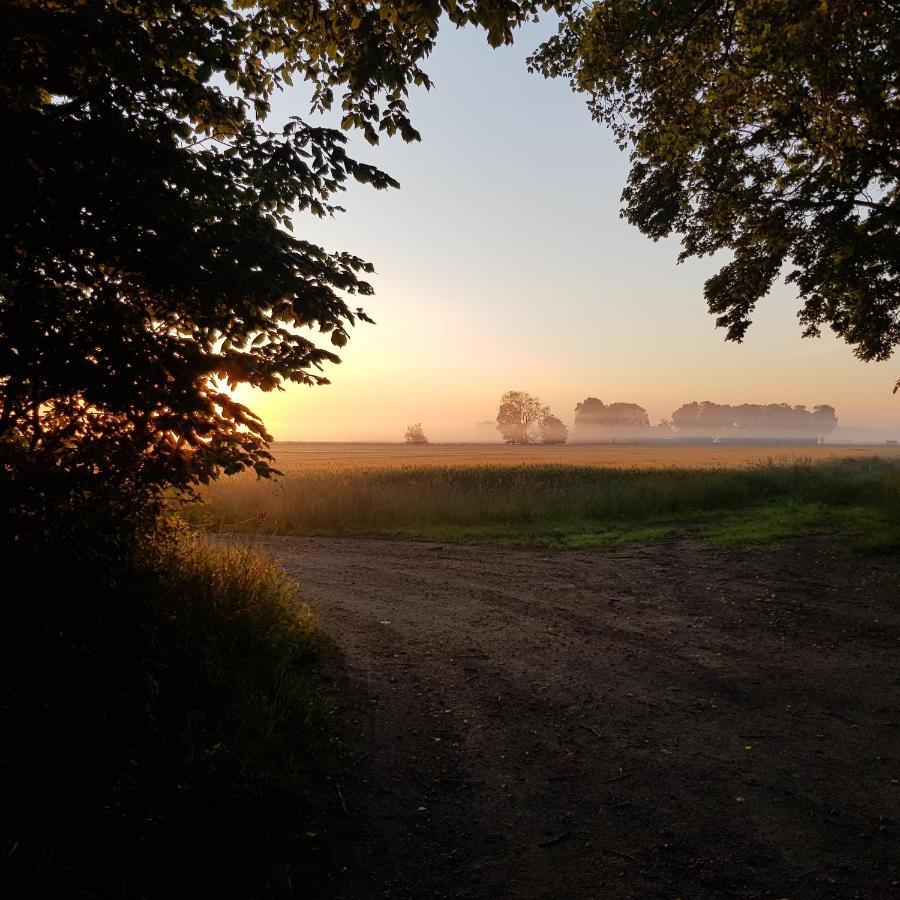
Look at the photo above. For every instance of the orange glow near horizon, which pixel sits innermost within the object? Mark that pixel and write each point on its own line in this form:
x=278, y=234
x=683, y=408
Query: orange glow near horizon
x=426, y=363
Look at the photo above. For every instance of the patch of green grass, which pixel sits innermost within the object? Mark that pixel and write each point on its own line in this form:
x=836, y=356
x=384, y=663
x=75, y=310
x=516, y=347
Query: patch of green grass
x=767, y=523
x=861, y=528
x=576, y=535
x=567, y=506
x=162, y=731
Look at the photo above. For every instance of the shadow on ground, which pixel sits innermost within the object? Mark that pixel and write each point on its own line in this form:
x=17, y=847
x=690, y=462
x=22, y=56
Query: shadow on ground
x=665, y=721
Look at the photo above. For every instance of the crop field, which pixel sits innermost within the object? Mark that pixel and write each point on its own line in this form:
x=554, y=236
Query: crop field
x=292, y=457
x=566, y=497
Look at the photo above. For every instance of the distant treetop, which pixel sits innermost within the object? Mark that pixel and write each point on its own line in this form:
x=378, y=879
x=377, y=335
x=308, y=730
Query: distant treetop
x=553, y=430
x=523, y=419
x=595, y=419
x=519, y=417
x=751, y=420
x=415, y=434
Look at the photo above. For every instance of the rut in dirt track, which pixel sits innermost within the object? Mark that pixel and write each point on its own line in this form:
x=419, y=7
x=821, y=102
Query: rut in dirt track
x=664, y=721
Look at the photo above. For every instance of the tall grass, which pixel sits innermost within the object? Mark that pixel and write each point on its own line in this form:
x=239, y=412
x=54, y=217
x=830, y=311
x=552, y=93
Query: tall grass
x=380, y=500
x=161, y=727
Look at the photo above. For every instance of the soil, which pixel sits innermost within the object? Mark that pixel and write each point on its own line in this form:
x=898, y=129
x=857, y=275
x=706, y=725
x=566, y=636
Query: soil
x=672, y=720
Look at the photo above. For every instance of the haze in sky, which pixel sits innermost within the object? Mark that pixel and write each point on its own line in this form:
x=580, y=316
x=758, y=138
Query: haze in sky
x=502, y=263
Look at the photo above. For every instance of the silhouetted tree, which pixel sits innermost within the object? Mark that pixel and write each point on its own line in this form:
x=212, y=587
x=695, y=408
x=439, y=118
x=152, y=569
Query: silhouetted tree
x=595, y=420
x=765, y=130
x=146, y=255
x=519, y=417
x=415, y=434
x=553, y=430
x=754, y=420
x=706, y=418
x=824, y=419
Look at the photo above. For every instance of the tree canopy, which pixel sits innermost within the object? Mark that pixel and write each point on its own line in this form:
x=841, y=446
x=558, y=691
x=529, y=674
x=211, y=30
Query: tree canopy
x=553, y=430
x=593, y=416
x=754, y=420
x=519, y=417
x=415, y=434
x=761, y=127
x=146, y=255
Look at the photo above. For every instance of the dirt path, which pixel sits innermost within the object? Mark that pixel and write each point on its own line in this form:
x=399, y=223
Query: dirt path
x=671, y=721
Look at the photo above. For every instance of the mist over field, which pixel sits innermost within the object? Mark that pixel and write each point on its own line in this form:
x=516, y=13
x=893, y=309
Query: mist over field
x=616, y=414
x=485, y=432
x=299, y=457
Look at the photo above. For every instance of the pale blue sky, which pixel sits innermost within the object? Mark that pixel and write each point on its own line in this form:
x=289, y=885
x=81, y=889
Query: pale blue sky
x=502, y=263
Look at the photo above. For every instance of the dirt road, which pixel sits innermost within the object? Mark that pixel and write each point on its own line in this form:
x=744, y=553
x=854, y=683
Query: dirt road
x=669, y=721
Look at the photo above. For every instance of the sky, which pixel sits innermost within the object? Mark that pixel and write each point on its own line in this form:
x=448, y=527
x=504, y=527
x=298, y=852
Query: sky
x=502, y=263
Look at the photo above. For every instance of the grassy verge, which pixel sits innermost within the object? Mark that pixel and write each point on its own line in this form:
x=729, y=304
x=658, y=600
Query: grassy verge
x=569, y=506
x=161, y=728
x=863, y=529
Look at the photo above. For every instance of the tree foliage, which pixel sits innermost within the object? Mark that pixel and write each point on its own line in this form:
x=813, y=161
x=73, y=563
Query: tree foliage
x=595, y=419
x=415, y=434
x=553, y=430
x=146, y=256
x=523, y=419
x=754, y=420
x=519, y=417
x=761, y=127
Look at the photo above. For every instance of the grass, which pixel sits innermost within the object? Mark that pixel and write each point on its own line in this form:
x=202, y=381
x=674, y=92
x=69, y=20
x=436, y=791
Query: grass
x=864, y=529
x=569, y=506
x=161, y=727
x=874, y=528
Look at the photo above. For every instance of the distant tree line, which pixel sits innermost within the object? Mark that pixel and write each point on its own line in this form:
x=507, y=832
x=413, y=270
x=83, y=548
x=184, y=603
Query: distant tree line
x=754, y=420
x=523, y=419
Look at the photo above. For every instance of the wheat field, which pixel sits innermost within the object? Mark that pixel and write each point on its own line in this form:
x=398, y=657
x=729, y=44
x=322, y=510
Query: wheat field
x=295, y=457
